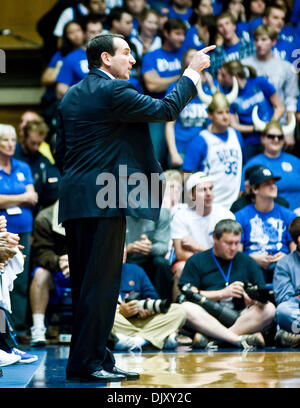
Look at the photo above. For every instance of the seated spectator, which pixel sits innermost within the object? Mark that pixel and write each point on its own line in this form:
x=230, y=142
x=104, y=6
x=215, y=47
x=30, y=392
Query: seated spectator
x=50, y=269
x=286, y=285
x=45, y=175
x=134, y=326
x=219, y=151
x=147, y=39
x=253, y=90
x=147, y=243
x=246, y=197
x=281, y=163
x=192, y=228
x=203, y=29
x=279, y=72
x=191, y=120
x=220, y=274
x=17, y=197
x=72, y=38
x=11, y=265
x=265, y=224
x=230, y=46
x=254, y=10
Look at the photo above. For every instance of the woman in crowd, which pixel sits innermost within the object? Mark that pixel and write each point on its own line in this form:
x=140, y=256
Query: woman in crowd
x=253, y=90
x=282, y=164
x=17, y=197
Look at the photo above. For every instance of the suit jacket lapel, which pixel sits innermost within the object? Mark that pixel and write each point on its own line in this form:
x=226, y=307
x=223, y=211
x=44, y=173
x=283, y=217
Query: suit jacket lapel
x=99, y=73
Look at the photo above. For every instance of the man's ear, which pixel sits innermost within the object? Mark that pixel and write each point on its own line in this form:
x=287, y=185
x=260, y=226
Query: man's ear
x=105, y=58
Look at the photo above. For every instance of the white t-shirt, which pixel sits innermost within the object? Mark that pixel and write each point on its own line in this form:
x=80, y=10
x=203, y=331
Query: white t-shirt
x=186, y=222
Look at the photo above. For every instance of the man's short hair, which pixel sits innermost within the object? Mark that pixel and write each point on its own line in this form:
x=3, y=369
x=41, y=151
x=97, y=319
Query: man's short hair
x=226, y=14
x=174, y=24
x=227, y=225
x=276, y=7
x=99, y=44
x=266, y=30
x=294, y=229
x=115, y=14
x=38, y=126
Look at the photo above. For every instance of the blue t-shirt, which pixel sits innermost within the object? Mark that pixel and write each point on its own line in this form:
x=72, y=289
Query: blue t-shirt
x=13, y=184
x=284, y=50
x=257, y=91
x=285, y=166
x=191, y=120
x=295, y=16
x=232, y=51
x=166, y=63
x=197, y=151
x=74, y=69
x=192, y=39
x=265, y=232
x=184, y=17
x=298, y=104
x=135, y=279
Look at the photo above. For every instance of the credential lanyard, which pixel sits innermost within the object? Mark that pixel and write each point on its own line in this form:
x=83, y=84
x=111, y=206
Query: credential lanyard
x=226, y=277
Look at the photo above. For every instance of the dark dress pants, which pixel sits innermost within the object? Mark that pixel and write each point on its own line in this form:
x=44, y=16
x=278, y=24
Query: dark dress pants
x=95, y=250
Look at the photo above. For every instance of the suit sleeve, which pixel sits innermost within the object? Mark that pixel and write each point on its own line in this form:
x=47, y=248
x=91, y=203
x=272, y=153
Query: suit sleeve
x=60, y=148
x=130, y=106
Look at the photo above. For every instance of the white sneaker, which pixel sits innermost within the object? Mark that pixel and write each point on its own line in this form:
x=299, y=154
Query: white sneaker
x=38, y=336
x=8, y=359
x=125, y=343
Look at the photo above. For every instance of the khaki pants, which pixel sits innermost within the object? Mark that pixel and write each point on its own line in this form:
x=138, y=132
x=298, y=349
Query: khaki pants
x=155, y=328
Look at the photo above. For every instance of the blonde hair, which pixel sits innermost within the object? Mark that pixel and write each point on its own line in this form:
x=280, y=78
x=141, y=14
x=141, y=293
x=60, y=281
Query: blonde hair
x=266, y=30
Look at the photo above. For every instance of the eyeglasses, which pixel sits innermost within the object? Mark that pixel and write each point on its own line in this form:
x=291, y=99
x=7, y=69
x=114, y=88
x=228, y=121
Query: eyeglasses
x=273, y=137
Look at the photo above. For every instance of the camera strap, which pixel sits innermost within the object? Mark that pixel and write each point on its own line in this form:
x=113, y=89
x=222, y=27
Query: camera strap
x=226, y=277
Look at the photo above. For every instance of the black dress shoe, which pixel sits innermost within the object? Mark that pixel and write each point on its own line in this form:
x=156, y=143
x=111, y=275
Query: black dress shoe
x=96, y=376
x=128, y=374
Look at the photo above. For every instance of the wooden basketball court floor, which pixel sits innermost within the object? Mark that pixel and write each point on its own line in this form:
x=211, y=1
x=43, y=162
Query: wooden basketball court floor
x=185, y=368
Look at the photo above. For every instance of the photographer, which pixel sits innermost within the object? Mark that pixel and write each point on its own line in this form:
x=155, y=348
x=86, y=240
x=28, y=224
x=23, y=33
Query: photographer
x=134, y=326
x=219, y=274
x=286, y=284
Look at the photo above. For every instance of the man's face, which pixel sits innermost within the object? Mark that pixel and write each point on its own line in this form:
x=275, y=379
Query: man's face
x=227, y=246
x=93, y=29
x=122, y=62
x=136, y=6
x=97, y=6
x=263, y=45
x=226, y=28
x=125, y=25
x=175, y=38
x=275, y=19
x=203, y=196
x=220, y=117
x=266, y=189
x=33, y=141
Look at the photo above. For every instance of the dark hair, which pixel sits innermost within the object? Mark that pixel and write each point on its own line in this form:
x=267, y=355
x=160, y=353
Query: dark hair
x=92, y=18
x=227, y=225
x=67, y=46
x=99, y=44
x=225, y=14
x=115, y=14
x=276, y=7
x=174, y=24
x=294, y=229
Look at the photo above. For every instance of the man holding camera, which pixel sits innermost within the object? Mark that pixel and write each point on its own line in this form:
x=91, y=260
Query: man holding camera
x=138, y=322
x=220, y=274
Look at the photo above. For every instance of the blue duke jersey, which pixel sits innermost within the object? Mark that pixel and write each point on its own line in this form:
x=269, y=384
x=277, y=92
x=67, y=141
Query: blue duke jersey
x=221, y=156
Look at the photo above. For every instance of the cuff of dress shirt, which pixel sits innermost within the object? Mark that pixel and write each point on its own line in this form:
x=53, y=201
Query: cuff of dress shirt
x=192, y=74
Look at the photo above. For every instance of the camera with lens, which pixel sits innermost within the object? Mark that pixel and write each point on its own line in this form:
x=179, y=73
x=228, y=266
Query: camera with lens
x=226, y=315
x=153, y=305
x=262, y=295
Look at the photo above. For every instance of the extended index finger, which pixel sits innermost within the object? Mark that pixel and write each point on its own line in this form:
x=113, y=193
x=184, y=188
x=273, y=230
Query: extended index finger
x=209, y=48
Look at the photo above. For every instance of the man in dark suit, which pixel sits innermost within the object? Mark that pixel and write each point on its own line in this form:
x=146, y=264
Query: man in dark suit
x=103, y=150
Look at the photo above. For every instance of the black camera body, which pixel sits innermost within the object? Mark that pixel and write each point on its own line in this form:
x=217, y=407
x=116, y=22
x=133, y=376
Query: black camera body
x=262, y=295
x=226, y=315
x=153, y=305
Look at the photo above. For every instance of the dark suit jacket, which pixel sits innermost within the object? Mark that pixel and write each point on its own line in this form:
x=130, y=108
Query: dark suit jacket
x=102, y=125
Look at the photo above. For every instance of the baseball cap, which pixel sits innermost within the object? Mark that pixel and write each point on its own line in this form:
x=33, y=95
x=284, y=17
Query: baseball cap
x=250, y=170
x=196, y=178
x=260, y=175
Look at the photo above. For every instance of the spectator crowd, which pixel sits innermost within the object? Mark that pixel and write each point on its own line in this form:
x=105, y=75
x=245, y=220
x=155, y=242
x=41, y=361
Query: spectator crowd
x=230, y=217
